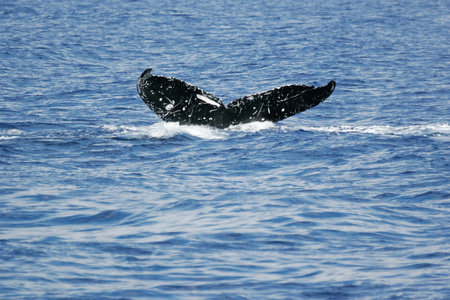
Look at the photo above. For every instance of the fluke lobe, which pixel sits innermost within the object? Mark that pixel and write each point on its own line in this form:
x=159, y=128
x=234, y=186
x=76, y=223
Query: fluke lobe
x=177, y=101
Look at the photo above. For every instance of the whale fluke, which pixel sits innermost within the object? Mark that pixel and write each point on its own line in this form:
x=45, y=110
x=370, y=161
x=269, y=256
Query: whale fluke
x=177, y=101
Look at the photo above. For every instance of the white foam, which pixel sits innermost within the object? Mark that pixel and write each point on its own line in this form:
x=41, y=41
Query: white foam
x=430, y=129
x=163, y=130
x=253, y=127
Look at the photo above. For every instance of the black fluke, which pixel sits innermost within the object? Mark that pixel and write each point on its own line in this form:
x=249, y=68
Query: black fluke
x=177, y=101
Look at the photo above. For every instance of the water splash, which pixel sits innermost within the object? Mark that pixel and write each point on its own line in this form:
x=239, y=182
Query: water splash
x=163, y=130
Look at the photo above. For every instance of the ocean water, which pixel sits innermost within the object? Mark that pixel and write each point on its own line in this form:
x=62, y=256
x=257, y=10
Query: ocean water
x=100, y=199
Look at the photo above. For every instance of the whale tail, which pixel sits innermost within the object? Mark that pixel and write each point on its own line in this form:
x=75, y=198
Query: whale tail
x=177, y=101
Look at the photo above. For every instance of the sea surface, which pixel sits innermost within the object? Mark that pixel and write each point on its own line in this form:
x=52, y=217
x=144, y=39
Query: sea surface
x=100, y=199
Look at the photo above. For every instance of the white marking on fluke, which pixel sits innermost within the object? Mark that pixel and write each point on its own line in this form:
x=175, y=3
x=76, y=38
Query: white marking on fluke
x=207, y=100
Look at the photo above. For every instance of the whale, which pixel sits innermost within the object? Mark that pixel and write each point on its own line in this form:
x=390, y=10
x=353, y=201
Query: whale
x=174, y=100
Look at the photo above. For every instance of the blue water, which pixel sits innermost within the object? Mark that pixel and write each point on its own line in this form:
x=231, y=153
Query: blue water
x=100, y=199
